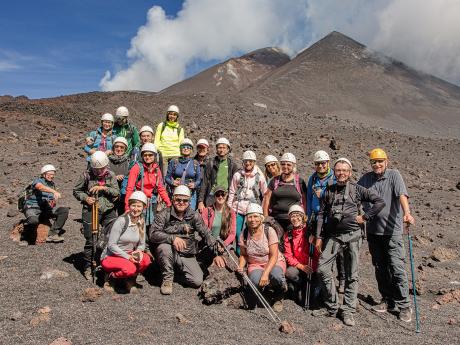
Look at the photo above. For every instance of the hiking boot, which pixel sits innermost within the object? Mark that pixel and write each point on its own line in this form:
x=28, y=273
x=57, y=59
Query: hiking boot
x=349, y=320
x=323, y=313
x=382, y=307
x=23, y=243
x=55, y=239
x=341, y=288
x=405, y=314
x=87, y=274
x=166, y=287
x=278, y=306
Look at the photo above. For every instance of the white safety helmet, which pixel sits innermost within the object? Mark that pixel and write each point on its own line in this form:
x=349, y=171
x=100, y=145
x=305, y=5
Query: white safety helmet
x=202, y=142
x=139, y=196
x=321, y=156
x=99, y=160
x=149, y=147
x=173, y=108
x=122, y=112
x=249, y=156
x=288, y=157
x=146, y=129
x=254, y=208
x=296, y=208
x=343, y=160
x=269, y=159
x=46, y=168
x=107, y=117
x=223, y=141
x=121, y=140
x=182, y=190
x=186, y=141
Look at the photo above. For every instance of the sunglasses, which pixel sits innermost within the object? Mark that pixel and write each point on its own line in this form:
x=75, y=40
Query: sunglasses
x=148, y=155
x=321, y=163
x=220, y=194
x=269, y=165
x=375, y=161
x=186, y=147
x=181, y=201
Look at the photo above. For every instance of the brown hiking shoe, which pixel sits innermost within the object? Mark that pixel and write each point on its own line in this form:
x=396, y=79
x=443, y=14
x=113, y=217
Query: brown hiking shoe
x=349, y=320
x=278, y=306
x=87, y=274
x=405, y=314
x=166, y=287
x=382, y=307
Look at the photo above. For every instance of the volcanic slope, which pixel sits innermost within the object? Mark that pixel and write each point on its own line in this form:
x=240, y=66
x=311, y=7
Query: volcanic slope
x=339, y=76
x=232, y=75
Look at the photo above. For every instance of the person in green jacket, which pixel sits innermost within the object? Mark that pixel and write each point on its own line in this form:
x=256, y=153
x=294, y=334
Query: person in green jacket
x=169, y=135
x=123, y=128
x=96, y=183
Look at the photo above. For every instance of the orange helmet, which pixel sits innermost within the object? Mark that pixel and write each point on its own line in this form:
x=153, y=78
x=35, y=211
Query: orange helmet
x=377, y=154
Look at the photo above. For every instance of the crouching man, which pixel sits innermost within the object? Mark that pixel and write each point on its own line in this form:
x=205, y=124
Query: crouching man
x=340, y=213
x=173, y=237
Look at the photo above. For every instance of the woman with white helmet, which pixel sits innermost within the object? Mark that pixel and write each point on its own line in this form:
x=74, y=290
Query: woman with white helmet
x=297, y=248
x=119, y=163
x=272, y=167
x=184, y=170
x=284, y=191
x=124, y=258
x=124, y=128
x=146, y=176
x=248, y=186
x=102, y=138
x=146, y=135
x=260, y=253
x=99, y=184
x=169, y=134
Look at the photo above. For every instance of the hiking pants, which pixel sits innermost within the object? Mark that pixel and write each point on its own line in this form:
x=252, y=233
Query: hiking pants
x=36, y=214
x=240, y=218
x=388, y=258
x=350, y=244
x=188, y=269
x=277, y=285
x=340, y=265
x=123, y=268
x=87, y=221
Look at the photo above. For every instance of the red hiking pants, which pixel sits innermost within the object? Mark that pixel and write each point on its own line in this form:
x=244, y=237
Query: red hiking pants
x=123, y=268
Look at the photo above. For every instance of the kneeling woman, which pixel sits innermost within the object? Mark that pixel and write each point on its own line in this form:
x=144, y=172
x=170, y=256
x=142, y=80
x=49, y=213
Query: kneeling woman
x=124, y=256
x=301, y=260
x=266, y=264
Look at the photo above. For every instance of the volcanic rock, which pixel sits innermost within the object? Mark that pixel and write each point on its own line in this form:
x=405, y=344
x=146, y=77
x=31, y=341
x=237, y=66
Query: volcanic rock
x=221, y=283
x=61, y=341
x=449, y=297
x=91, y=294
x=442, y=254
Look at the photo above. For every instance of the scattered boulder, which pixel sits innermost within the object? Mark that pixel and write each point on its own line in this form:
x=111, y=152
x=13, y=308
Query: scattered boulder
x=286, y=327
x=61, y=341
x=12, y=213
x=449, y=297
x=334, y=145
x=442, y=254
x=91, y=294
x=219, y=285
x=181, y=318
x=3, y=257
x=452, y=321
x=43, y=316
x=17, y=315
x=458, y=185
x=49, y=273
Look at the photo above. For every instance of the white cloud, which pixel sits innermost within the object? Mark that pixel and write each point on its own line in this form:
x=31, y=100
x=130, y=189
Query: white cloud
x=423, y=34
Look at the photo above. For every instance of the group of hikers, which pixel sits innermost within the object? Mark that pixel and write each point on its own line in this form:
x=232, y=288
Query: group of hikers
x=150, y=199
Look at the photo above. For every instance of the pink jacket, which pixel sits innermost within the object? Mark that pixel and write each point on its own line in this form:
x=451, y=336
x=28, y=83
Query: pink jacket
x=208, y=218
x=241, y=191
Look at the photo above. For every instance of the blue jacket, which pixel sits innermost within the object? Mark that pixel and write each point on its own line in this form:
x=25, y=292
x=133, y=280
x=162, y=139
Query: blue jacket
x=314, y=182
x=176, y=168
x=38, y=198
x=97, y=137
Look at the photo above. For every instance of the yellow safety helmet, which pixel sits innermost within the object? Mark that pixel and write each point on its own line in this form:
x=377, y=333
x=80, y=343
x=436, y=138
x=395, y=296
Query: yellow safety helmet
x=377, y=154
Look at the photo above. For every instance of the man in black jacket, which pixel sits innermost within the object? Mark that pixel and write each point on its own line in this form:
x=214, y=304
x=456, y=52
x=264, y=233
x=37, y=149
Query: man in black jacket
x=339, y=227
x=218, y=172
x=173, y=236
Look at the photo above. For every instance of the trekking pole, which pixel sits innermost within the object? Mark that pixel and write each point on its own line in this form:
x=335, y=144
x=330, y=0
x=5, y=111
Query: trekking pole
x=254, y=288
x=94, y=235
x=414, y=289
x=309, y=275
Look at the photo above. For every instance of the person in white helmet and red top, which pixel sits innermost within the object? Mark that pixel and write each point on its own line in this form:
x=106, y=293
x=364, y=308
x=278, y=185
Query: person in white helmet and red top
x=124, y=128
x=248, y=186
x=99, y=184
x=219, y=172
x=40, y=204
x=168, y=136
x=124, y=257
x=284, y=191
x=102, y=138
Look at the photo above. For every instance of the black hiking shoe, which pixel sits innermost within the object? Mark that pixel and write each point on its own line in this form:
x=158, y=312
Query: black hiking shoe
x=55, y=239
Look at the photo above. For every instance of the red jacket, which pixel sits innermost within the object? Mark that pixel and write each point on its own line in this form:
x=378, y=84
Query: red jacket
x=300, y=253
x=208, y=218
x=150, y=181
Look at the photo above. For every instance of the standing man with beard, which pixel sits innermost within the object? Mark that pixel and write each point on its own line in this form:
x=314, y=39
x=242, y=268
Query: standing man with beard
x=384, y=235
x=339, y=212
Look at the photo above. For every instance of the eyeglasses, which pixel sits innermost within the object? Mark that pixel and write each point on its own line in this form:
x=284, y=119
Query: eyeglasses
x=148, y=155
x=181, y=201
x=321, y=163
x=172, y=113
x=220, y=194
x=376, y=161
x=269, y=165
x=296, y=215
x=119, y=146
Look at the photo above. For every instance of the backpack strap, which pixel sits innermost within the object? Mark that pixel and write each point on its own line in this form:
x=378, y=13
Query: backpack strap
x=125, y=226
x=209, y=219
x=277, y=182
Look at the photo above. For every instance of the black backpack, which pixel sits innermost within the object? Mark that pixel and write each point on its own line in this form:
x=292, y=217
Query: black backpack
x=23, y=196
x=269, y=222
x=103, y=239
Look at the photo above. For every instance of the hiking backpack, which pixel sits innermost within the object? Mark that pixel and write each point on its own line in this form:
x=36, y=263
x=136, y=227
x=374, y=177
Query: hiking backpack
x=23, y=196
x=269, y=222
x=140, y=177
x=103, y=238
x=163, y=126
x=255, y=188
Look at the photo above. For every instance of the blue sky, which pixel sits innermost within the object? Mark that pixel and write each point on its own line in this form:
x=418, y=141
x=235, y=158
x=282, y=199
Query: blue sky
x=55, y=47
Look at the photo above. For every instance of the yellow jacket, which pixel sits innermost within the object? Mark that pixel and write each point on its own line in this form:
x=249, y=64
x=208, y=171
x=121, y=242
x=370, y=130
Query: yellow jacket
x=167, y=140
